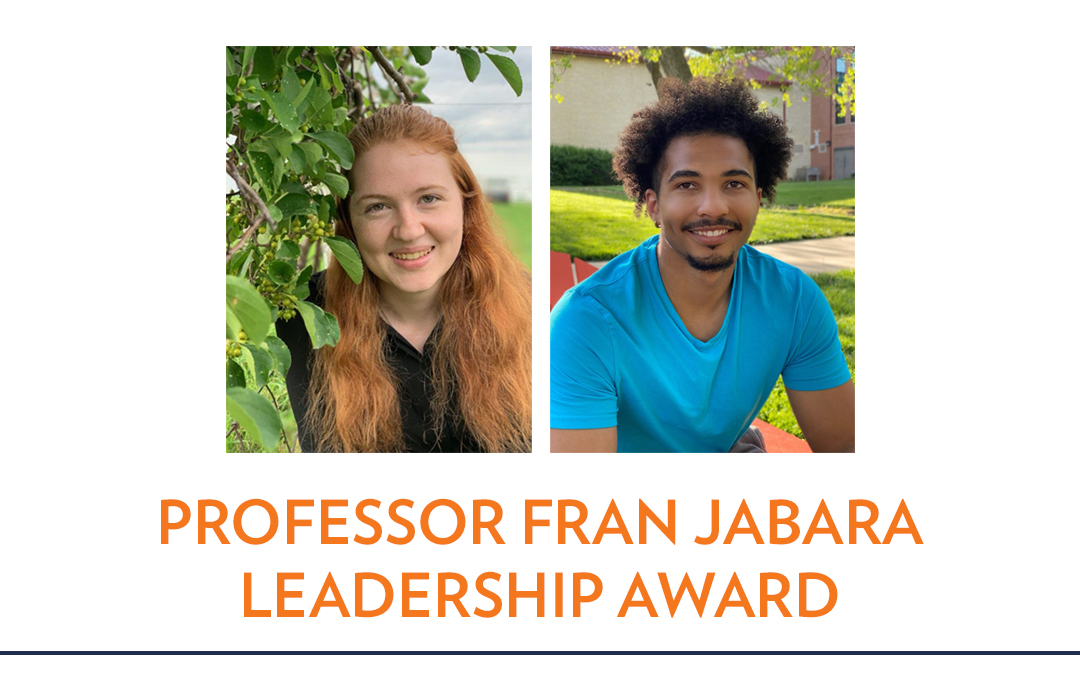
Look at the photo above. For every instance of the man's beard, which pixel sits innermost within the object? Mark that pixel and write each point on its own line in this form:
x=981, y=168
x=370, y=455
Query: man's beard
x=716, y=263
x=713, y=263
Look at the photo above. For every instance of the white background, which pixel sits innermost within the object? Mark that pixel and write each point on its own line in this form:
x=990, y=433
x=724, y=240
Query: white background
x=967, y=291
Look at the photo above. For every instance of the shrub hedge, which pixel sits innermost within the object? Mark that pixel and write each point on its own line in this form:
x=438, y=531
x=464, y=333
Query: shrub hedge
x=580, y=166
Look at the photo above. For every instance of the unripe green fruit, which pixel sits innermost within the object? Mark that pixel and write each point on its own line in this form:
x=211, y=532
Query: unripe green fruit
x=242, y=81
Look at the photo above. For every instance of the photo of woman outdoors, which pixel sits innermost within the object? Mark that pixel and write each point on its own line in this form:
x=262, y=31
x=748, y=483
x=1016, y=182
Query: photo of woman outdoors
x=414, y=332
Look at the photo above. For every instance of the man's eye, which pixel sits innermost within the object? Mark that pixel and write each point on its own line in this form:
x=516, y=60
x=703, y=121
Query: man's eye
x=736, y=184
x=684, y=186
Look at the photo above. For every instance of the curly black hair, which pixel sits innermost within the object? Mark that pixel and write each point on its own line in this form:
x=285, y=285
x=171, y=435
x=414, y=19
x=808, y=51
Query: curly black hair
x=702, y=106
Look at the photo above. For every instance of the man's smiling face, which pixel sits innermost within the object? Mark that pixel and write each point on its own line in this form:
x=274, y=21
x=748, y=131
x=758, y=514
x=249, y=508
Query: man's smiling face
x=705, y=199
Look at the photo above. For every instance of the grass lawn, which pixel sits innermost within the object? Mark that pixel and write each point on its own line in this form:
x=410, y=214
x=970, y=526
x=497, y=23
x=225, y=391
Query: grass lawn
x=598, y=223
x=839, y=289
x=516, y=220
x=839, y=193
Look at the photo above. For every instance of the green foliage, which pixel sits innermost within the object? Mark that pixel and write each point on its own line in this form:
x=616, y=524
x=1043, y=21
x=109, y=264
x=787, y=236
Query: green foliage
x=471, y=64
x=571, y=165
x=811, y=69
x=288, y=111
x=839, y=290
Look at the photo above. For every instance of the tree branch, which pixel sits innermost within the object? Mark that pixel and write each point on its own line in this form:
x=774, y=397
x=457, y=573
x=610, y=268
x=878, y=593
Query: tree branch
x=388, y=70
x=243, y=238
x=252, y=198
x=371, y=92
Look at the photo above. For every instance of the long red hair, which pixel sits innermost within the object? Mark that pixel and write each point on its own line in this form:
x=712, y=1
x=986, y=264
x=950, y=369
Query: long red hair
x=482, y=356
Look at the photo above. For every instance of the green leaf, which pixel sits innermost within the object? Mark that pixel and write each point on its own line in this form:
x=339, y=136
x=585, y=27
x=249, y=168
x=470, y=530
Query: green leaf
x=509, y=71
x=337, y=145
x=324, y=75
x=320, y=113
x=228, y=123
x=263, y=167
x=279, y=171
x=300, y=102
x=502, y=49
x=297, y=160
x=234, y=375
x=290, y=84
x=282, y=143
x=255, y=415
x=325, y=206
x=263, y=145
x=232, y=324
x=302, y=289
x=322, y=327
x=249, y=52
x=264, y=64
x=470, y=61
x=281, y=354
x=281, y=272
x=421, y=54
x=332, y=68
x=248, y=306
x=261, y=363
x=283, y=110
x=295, y=205
x=339, y=185
x=287, y=251
x=346, y=253
x=313, y=152
x=253, y=121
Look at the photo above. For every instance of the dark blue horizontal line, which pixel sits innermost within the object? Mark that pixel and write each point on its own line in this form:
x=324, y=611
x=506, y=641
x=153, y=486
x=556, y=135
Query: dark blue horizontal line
x=539, y=653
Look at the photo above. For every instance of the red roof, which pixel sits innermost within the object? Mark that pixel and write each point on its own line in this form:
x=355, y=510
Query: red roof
x=606, y=52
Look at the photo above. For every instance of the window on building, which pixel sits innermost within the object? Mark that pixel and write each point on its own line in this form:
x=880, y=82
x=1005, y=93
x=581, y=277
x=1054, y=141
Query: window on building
x=841, y=71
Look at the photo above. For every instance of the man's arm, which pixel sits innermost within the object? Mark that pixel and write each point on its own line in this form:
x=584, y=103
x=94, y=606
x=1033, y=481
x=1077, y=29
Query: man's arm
x=826, y=417
x=585, y=440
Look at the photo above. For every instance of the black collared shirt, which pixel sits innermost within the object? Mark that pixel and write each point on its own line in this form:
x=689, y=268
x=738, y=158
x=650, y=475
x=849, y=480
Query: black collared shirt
x=413, y=370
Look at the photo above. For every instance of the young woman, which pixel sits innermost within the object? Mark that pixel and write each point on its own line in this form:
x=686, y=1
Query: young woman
x=435, y=352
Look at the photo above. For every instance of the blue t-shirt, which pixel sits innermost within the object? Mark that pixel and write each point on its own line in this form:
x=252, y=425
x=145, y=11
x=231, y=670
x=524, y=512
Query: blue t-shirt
x=621, y=355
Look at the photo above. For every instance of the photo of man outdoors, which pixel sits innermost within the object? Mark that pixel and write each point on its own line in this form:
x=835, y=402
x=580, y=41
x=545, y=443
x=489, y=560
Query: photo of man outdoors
x=675, y=345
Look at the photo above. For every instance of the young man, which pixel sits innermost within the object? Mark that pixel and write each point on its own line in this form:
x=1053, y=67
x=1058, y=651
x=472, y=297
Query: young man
x=675, y=345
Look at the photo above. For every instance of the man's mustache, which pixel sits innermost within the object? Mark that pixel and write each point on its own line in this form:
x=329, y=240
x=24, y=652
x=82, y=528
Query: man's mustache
x=705, y=222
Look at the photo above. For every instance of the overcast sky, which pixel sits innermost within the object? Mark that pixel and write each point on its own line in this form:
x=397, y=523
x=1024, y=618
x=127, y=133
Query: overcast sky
x=492, y=125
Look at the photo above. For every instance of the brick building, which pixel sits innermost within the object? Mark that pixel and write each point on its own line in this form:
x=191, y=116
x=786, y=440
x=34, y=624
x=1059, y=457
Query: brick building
x=601, y=91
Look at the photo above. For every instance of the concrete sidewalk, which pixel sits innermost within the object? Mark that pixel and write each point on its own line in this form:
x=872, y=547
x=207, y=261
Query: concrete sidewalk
x=815, y=255
x=810, y=255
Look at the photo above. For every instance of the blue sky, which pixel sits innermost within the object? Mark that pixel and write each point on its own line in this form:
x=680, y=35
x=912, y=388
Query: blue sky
x=493, y=126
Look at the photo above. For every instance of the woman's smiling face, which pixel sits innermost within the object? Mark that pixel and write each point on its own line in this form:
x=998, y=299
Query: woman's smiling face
x=408, y=215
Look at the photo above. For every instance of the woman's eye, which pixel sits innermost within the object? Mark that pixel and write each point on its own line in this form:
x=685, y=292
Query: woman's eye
x=429, y=199
x=375, y=208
